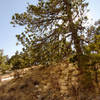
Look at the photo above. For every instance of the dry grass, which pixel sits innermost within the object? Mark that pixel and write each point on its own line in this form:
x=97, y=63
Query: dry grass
x=57, y=82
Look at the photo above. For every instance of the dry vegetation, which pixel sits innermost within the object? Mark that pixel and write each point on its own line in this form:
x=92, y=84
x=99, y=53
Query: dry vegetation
x=59, y=82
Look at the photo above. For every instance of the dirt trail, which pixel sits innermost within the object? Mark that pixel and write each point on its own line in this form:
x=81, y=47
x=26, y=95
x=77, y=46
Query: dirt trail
x=14, y=74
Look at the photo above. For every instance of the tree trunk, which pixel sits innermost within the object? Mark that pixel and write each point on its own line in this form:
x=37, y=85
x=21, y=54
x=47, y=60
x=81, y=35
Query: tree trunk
x=73, y=29
x=85, y=82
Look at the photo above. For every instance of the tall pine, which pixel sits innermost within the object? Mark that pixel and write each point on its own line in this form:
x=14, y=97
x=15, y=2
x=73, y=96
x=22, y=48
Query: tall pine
x=53, y=22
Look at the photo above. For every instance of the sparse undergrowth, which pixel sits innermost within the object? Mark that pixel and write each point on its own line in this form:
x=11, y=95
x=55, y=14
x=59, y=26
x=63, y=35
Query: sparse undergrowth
x=59, y=82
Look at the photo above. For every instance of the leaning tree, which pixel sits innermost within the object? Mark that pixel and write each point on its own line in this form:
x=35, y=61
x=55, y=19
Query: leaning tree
x=53, y=22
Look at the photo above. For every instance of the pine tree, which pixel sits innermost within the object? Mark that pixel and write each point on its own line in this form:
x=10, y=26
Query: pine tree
x=3, y=62
x=53, y=21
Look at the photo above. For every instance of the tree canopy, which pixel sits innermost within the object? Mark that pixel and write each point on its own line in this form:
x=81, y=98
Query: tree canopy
x=49, y=25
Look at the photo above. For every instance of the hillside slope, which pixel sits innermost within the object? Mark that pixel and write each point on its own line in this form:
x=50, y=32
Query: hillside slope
x=59, y=82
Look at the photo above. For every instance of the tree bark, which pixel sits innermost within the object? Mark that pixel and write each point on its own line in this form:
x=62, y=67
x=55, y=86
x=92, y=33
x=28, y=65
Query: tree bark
x=74, y=30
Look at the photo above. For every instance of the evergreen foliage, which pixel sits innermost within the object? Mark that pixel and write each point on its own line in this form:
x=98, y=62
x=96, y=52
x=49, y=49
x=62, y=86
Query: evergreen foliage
x=3, y=62
x=50, y=23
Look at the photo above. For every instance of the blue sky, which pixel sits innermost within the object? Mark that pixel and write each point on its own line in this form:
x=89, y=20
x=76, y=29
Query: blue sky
x=7, y=32
x=94, y=6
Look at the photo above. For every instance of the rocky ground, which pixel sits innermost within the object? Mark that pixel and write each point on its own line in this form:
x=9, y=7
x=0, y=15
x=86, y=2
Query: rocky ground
x=57, y=82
